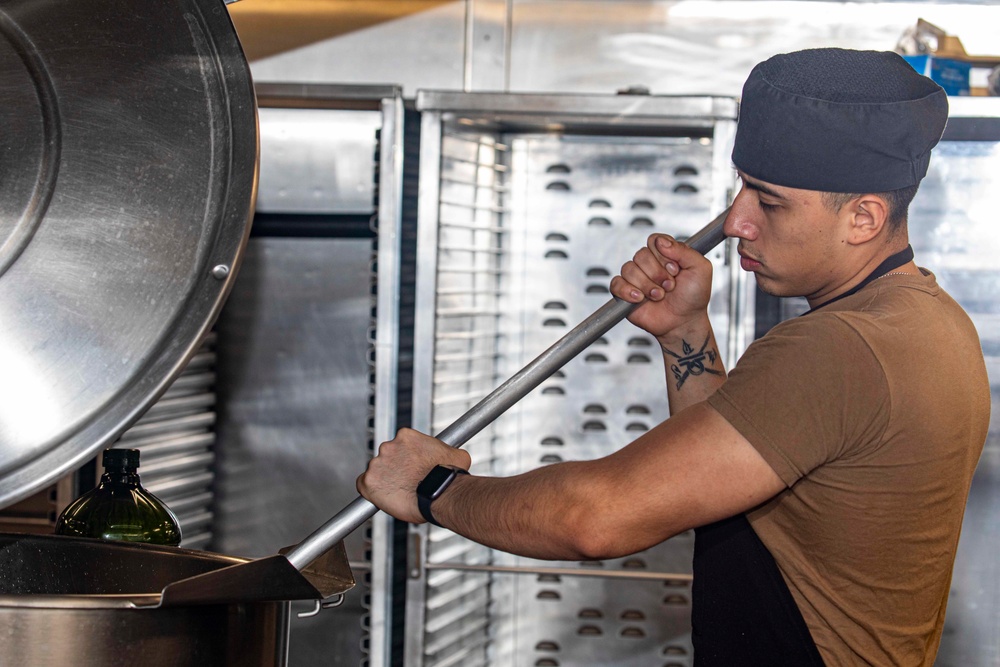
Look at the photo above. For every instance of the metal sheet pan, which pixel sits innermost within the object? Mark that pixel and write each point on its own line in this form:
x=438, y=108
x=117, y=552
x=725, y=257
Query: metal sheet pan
x=128, y=170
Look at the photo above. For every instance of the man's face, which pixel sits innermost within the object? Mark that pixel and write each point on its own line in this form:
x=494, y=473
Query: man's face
x=789, y=238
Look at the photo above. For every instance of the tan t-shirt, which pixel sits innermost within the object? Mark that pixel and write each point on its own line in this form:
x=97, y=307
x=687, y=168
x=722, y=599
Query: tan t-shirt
x=873, y=410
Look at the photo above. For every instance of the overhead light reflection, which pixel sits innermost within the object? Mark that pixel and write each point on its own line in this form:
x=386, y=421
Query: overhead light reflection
x=29, y=410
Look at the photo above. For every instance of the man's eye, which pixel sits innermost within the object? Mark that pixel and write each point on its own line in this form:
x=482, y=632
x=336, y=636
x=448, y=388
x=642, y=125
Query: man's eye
x=767, y=207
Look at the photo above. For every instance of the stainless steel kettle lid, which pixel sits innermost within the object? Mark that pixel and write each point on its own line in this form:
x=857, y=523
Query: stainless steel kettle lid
x=128, y=167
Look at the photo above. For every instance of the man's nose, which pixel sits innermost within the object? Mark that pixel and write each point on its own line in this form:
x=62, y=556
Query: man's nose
x=741, y=221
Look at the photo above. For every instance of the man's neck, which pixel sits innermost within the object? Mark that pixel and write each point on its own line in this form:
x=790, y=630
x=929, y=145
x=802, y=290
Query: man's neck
x=884, y=261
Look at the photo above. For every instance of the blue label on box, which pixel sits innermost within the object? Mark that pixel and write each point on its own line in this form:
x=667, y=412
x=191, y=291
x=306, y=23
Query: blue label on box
x=952, y=75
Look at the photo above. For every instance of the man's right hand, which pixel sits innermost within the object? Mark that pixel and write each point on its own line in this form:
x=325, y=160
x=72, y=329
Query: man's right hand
x=673, y=279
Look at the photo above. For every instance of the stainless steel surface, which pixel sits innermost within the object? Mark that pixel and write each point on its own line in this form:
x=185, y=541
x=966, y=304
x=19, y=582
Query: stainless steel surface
x=284, y=94
x=524, y=218
x=974, y=107
x=310, y=165
x=358, y=43
x=486, y=49
x=294, y=389
x=308, y=365
x=264, y=579
x=564, y=572
x=580, y=46
x=499, y=401
x=294, y=384
x=388, y=373
x=554, y=112
x=128, y=179
x=56, y=617
x=38, y=512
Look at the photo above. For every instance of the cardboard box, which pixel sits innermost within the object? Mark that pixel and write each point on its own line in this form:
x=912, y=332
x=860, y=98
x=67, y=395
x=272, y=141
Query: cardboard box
x=942, y=57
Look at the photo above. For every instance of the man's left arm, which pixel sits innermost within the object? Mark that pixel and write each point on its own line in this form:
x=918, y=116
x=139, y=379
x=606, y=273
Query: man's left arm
x=690, y=470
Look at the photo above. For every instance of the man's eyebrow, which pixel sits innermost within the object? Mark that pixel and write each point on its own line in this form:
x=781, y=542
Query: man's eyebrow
x=760, y=187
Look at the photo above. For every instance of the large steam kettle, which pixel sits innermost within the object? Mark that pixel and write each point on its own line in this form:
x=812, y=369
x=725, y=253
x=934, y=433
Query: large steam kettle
x=128, y=161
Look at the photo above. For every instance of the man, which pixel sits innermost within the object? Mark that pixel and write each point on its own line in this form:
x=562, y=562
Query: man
x=826, y=477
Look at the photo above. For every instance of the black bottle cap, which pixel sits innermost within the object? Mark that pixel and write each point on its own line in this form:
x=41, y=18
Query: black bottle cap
x=120, y=459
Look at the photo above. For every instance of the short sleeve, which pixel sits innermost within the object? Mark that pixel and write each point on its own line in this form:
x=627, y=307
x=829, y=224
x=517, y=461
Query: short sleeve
x=809, y=392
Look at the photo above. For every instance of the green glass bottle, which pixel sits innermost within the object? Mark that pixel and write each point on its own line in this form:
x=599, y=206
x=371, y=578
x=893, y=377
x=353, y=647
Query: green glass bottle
x=119, y=508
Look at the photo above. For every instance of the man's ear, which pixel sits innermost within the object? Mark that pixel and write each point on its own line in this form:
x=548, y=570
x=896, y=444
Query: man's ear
x=868, y=216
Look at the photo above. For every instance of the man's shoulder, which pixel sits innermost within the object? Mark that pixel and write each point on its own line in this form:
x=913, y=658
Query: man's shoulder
x=823, y=333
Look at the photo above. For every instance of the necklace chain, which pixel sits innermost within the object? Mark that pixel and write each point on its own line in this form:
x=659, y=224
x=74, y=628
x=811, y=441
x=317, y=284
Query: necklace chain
x=893, y=273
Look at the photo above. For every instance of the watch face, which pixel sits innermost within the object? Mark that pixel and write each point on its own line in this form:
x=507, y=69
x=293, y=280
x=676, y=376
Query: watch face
x=436, y=482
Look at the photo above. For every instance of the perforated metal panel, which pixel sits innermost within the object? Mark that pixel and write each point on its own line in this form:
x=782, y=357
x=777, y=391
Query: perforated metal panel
x=529, y=206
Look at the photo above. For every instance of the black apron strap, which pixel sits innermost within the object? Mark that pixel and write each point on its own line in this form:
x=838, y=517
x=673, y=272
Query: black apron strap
x=891, y=263
x=742, y=611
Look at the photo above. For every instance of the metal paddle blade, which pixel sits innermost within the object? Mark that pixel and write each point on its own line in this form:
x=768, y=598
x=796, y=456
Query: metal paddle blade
x=329, y=574
x=271, y=578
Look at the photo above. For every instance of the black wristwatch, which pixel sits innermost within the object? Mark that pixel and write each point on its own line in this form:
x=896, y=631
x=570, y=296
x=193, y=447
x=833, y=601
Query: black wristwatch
x=432, y=486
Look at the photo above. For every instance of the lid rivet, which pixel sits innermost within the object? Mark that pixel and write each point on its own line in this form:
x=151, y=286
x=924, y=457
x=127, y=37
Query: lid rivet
x=220, y=271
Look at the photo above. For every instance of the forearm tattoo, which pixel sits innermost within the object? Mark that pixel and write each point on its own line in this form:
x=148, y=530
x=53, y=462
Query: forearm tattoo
x=693, y=362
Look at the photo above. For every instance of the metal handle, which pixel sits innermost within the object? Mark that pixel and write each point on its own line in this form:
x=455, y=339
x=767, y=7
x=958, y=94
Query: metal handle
x=500, y=399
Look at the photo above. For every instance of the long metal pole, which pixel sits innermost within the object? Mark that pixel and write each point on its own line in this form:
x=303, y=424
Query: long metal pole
x=499, y=401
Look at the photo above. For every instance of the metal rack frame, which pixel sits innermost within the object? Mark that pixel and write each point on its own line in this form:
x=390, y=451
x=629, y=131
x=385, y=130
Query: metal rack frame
x=460, y=595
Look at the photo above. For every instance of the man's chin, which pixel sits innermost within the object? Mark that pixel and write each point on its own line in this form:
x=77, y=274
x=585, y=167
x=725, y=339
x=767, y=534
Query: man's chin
x=769, y=287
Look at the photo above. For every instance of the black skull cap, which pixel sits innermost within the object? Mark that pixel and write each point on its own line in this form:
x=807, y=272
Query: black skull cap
x=838, y=120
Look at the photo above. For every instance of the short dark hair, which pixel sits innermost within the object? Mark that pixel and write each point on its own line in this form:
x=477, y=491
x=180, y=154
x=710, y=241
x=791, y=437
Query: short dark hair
x=898, y=201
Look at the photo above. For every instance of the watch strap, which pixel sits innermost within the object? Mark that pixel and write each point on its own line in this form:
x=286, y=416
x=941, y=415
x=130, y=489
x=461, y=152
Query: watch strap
x=424, y=505
x=424, y=502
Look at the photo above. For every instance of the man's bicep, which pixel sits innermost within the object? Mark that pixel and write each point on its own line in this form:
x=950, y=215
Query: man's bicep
x=695, y=468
